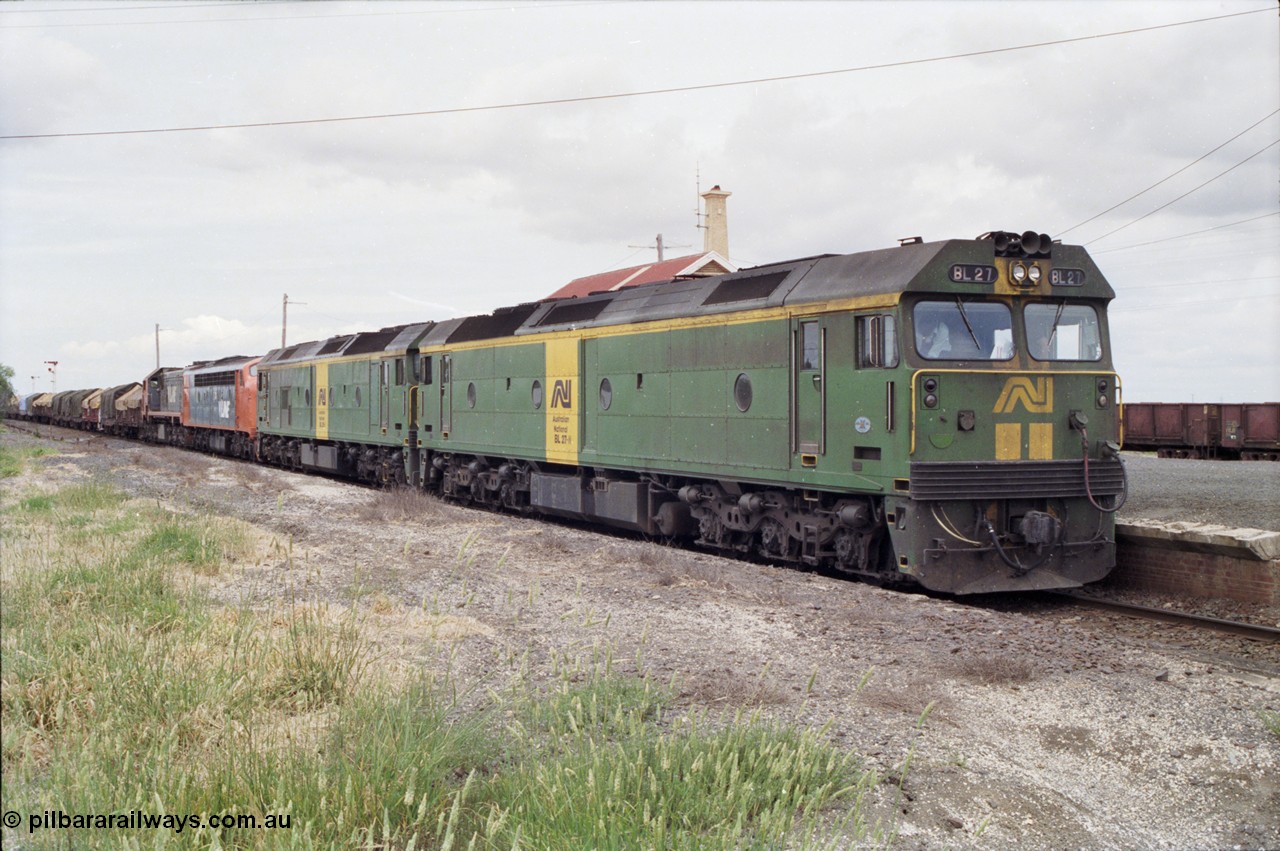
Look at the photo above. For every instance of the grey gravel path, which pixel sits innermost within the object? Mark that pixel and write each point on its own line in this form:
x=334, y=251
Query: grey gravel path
x=1244, y=494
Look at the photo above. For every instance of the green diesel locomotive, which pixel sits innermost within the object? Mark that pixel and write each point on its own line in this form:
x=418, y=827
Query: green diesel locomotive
x=942, y=414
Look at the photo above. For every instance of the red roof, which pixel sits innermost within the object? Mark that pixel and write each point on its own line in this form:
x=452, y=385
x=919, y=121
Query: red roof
x=709, y=263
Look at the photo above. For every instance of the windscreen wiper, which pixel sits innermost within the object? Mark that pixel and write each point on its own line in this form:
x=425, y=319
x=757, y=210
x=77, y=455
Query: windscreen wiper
x=967, y=326
x=1053, y=332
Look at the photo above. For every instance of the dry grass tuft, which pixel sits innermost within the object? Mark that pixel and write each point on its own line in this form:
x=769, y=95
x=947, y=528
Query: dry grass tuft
x=190, y=467
x=725, y=687
x=909, y=697
x=1001, y=669
x=398, y=504
x=552, y=541
x=681, y=572
x=252, y=476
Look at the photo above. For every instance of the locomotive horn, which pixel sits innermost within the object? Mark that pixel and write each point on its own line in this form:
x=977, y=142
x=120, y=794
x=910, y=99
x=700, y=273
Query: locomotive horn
x=1031, y=243
x=1002, y=241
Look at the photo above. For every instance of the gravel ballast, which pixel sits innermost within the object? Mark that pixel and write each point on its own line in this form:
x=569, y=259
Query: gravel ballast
x=1043, y=726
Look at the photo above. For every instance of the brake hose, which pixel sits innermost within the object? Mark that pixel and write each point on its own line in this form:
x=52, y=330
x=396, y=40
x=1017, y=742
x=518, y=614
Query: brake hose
x=1088, y=489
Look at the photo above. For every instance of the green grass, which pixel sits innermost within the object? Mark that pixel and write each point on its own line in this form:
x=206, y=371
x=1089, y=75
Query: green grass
x=609, y=776
x=13, y=460
x=126, y=687
x=1271, y=720
x=74, y=501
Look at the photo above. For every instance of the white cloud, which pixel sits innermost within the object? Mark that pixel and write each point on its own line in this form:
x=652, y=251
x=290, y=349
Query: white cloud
x=375, y=223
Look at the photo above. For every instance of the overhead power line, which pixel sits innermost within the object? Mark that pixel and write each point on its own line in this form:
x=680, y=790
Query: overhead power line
x=107, y=7
x=1060, y=234
x=644, y=93
x=1185, y=194
x=113, y=7
x=1167, y=305
x=1214, y=282
x=1185, y=235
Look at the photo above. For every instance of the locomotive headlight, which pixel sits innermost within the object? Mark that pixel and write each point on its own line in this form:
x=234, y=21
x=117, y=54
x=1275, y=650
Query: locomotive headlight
x=930, y=400
x=930, y=385
x=1102, y=401
x=1034, y=274
x=1019, y=273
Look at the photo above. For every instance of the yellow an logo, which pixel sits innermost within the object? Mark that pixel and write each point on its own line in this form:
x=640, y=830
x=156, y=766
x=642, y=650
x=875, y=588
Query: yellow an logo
x=1036, y=395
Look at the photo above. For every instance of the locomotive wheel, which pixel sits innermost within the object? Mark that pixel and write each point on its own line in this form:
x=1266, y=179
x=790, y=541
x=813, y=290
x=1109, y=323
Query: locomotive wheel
x=774, y=540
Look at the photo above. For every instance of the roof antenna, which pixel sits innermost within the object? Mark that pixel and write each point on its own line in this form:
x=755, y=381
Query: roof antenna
x=697, y=198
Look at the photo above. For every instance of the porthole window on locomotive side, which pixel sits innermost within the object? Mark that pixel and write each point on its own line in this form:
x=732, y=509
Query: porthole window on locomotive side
x=537, y=394
x=606, y=394
x=471, y=394
x=742, y=393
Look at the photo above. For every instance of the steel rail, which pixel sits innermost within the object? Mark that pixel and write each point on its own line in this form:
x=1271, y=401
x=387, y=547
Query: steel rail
x=1256, y=632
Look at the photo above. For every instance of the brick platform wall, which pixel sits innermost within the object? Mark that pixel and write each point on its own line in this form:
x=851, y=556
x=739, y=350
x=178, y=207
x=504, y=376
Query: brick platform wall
x=1180, y=571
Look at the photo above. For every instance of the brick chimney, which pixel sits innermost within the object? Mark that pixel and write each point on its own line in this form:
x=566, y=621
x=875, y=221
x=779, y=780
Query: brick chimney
x=716, y=234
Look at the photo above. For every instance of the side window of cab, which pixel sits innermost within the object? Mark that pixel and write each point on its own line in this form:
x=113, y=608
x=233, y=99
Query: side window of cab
x=877, y=341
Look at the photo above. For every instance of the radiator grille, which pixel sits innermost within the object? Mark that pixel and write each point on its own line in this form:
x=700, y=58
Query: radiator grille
x=1013, y=479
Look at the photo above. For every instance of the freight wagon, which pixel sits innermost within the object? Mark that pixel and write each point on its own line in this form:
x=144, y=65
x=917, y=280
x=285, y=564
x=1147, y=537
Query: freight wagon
x=1196, y=430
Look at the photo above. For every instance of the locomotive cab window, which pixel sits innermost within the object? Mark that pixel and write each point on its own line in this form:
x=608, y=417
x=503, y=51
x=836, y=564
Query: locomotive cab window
x=959, y=329
x=1063, y=332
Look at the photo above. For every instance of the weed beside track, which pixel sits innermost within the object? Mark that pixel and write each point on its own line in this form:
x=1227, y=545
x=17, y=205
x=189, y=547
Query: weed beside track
x=128, y=687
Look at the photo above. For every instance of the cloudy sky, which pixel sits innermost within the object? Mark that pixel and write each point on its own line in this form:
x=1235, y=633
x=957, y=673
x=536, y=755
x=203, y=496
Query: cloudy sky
x=941, y=120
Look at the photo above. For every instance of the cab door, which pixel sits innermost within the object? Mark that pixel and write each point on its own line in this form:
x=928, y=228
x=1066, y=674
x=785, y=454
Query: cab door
x=384, y=394
x=446, y=395
x=375, y=396
x=809, y=392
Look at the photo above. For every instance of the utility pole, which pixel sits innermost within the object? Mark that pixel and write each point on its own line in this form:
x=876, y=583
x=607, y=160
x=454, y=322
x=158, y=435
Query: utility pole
x=660, y=245
x=158, y=330
x=284, y=320
x=33, y=384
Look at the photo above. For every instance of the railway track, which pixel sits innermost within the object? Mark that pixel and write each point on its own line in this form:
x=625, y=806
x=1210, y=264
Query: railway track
x=51, y=432
x=1255, y=632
